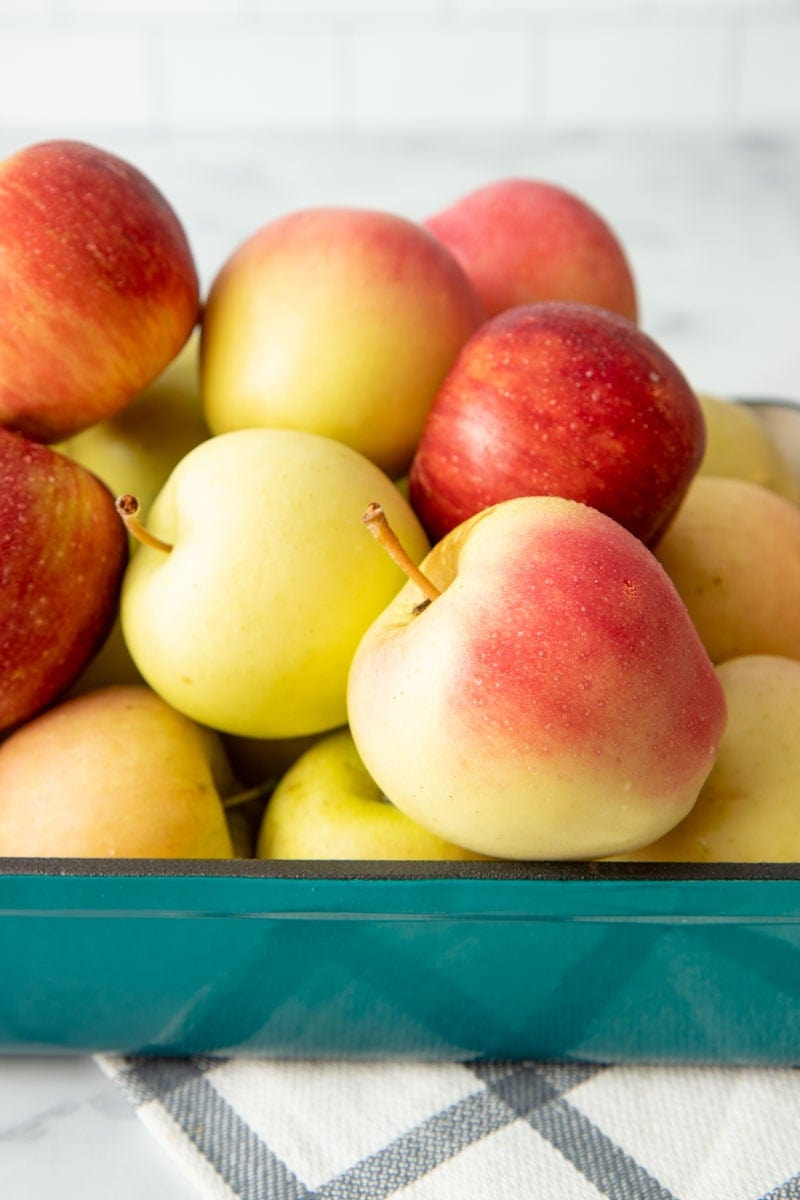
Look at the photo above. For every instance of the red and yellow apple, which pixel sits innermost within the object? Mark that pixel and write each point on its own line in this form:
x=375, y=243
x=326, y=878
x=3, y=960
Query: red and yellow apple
x=523, y=240
x=335, y=321
x=116, y=773
x=559, y=399
x=554, y=701
x=98, y=287
x=62, y=555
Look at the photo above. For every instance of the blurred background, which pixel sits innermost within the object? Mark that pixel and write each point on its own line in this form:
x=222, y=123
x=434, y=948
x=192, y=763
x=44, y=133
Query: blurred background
x=168, y=66
x=679, y=120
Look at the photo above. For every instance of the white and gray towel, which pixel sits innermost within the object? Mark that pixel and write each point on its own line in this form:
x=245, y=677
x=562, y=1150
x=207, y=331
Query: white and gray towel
x=258, y=1129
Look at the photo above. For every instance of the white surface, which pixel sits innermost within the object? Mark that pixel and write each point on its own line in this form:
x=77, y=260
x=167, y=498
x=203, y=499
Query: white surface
x=712, y=232
x=67, y=1133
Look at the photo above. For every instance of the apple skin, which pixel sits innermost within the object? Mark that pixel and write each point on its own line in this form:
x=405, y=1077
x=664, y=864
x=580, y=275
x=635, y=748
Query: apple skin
x=747, y=810
x=559, y=399
x=733, y=553
x=521, y=241
x=739, y=445
x=98, y=287
x=336, y=321
x=554, y=702
x=61, y=566
x=113, y=774
x=248, y=625
x=326, y=806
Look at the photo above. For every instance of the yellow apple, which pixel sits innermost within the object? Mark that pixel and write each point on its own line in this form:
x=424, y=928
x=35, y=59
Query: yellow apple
x=740, y=446
x=326, y=806
x=733, y=552
x=248, y=624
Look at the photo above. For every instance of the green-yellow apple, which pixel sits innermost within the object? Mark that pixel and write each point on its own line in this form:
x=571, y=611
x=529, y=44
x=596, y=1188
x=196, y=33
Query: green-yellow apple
x=733, y=553
x=748, y=809
x=553, y=701
x=559, y=399
x=740, y=446
x=525, y=240
x=327, y=806
x=337, y=321
x=98, y=287
x=136, y=449
x=249, y=622
x=62, y=556
x=116, y=773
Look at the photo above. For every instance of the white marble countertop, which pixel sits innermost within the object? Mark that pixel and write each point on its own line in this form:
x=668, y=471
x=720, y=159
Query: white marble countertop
x=712, y=231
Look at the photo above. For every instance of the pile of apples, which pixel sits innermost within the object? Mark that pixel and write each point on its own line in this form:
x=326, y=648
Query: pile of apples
x=405, y=541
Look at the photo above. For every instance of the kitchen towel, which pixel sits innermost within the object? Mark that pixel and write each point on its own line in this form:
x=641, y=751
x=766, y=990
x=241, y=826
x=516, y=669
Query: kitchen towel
x=258, y=1129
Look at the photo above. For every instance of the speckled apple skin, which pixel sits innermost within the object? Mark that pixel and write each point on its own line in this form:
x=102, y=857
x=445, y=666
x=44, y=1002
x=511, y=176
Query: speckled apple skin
x=554, y=702
x=559, y=399
x=98, y=287
x=63, y=550
x=525, y=240
x=733, y=553
x=339, y=321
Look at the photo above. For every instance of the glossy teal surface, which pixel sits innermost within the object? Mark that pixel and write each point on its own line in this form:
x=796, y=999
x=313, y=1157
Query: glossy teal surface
x=620, y=962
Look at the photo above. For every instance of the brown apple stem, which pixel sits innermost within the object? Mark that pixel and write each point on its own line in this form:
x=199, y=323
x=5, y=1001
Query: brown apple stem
x=128, y=509
x=261, y=791
x=375, y=520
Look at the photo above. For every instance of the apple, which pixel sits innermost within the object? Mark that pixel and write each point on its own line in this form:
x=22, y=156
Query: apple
x=524, y=240
x=136, y=449
x=748, y=809
x=739, y=445
x=326, y=806
x=113, y=774
x=336, y=321
x=247, y=616
x=559, y=399
x=62, y=556
x=547, y=697
x=98, y=287
x=733, y=553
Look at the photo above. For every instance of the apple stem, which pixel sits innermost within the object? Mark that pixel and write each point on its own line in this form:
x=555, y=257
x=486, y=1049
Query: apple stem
x=375, y=520
x=261, y=791
x=128, y=508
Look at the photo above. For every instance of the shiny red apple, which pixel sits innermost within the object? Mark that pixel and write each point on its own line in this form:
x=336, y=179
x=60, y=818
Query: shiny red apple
x=525, y=240
x=98, y=287
x=63, y=550
x=559, y=399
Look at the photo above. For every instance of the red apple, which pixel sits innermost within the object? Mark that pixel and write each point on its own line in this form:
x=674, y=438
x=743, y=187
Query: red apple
x=521, y=241
x=98, y=287
x=63, y=550
x=559, y=399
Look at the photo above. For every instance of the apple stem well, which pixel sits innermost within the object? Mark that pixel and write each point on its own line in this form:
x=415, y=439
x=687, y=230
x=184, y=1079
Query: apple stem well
x=375, y=520
x=128, y=508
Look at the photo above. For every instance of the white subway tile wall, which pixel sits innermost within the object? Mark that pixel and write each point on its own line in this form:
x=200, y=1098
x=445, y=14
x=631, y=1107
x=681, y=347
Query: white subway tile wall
x=398, y=65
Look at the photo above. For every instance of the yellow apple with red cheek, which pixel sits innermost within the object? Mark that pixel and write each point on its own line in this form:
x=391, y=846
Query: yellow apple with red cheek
x=338, y=321
x=554, y=701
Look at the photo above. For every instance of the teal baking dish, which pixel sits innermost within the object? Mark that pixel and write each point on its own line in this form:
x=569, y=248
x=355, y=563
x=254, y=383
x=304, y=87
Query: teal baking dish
x=608, y=962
